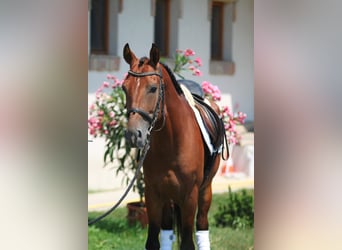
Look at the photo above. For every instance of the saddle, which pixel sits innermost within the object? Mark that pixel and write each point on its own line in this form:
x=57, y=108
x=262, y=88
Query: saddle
x=212, y=122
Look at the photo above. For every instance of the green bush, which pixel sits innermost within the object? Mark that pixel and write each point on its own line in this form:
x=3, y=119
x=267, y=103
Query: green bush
x=236, y=210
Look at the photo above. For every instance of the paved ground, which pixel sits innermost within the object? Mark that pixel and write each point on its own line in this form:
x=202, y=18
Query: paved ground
x=100, y=201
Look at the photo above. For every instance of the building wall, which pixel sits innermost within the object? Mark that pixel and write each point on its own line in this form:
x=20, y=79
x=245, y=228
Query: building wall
x=135, y=26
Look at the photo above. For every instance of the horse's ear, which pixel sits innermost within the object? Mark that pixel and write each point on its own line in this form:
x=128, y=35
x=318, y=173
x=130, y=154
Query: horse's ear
x=128, y=55
x=154, y=55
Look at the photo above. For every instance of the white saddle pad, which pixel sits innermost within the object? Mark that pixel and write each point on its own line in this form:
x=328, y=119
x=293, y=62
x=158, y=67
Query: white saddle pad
x=191, y=101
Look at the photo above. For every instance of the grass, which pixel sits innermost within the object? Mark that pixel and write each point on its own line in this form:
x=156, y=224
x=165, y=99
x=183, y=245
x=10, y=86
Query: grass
x=113, y=232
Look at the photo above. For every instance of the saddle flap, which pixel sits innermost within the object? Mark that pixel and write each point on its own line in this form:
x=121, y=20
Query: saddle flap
x=212, y=122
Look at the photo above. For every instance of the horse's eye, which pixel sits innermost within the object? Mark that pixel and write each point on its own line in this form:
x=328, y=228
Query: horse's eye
x=153, y=89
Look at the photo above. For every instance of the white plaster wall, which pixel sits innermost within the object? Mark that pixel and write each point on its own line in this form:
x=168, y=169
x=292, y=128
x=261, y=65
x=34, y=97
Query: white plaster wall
x=194, y=30
x=135, y=26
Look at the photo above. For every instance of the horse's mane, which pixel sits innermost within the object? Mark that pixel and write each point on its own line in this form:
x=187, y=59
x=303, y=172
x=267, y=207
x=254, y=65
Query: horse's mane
x=173, y=79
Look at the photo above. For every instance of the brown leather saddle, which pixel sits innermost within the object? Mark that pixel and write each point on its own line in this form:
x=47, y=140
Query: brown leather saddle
x=215, y=128
x=212, y=122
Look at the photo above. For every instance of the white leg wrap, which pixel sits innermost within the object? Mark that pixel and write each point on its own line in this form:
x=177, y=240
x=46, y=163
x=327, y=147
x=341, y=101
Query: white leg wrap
x=202, y=239
x=166, y=239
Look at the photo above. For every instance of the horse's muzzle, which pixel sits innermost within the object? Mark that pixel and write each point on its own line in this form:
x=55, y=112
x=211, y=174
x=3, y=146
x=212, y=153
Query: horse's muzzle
x=135, y=138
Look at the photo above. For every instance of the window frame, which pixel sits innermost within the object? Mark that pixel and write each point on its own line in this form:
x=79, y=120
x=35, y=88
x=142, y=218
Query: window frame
x=220, y=32
x=167, y=22
x=105, y=50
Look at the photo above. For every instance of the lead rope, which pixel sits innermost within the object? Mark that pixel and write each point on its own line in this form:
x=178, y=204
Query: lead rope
x=137, y=171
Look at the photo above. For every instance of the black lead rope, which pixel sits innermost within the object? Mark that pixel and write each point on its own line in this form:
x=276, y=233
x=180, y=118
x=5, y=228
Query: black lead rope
x=137, y=171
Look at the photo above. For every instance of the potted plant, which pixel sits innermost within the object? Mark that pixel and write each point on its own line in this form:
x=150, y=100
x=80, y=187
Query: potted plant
x=108, y=120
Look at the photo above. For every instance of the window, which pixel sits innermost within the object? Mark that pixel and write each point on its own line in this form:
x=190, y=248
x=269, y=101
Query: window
x=166, y=14
x=222, y=17
x=103, y=35
x=99, y=27
x=216, y=36
x=162, y=26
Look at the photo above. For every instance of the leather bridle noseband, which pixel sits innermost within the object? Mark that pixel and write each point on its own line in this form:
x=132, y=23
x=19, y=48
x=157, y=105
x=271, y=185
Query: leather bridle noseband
x=145, y=115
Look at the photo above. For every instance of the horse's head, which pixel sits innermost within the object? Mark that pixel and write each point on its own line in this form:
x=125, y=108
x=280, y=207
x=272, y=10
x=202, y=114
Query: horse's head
x=144, y=95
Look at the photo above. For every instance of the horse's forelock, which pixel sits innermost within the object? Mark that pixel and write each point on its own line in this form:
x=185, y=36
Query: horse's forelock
x=142, y=61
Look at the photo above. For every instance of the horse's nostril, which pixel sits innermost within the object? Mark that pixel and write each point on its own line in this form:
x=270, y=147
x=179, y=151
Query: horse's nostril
x=139, y=133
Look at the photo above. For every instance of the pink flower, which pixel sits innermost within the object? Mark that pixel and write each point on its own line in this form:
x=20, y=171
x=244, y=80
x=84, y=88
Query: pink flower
x=216, y=96
x=226, y=126
x=112, y=123
x=105, y=84
x=100, y=113
x=198, y=61
x=192, y=67
x=110, y=77
x=241, y=117
x=206, y=87
x=92, y=107
x=232, y=140
x=211, y=91
x=92, y=131
x=117, y=83
x=189, y=52
x=197, y=72
x=99, y=90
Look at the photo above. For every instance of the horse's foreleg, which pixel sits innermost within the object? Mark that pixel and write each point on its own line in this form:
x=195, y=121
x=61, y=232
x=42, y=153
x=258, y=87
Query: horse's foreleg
x=202, y=226
x=188, y=211
x=154, y=211
x=166, y=234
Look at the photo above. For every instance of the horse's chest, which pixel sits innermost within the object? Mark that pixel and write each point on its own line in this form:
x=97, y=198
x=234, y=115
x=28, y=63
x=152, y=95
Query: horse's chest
x=167, y=184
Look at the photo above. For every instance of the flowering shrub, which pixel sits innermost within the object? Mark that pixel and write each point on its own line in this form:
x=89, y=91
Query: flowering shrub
x=107, y=114
x=108, y=119
x=184, y=61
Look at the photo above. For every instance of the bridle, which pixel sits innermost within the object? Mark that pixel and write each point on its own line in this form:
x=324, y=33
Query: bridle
x=145, y=115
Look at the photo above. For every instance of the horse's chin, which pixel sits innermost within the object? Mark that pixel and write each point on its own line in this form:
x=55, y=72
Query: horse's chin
x=140, y=144
x=136, y=143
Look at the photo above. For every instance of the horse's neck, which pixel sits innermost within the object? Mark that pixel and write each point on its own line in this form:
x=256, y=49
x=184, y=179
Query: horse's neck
x=174, y=102
x=176, y=109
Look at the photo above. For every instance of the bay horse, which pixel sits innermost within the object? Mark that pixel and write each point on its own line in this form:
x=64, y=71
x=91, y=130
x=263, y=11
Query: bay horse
x=177, y=172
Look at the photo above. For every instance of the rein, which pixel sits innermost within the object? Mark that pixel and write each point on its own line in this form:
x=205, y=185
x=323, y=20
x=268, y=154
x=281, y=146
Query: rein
x=146, y=147
x=137, y=171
